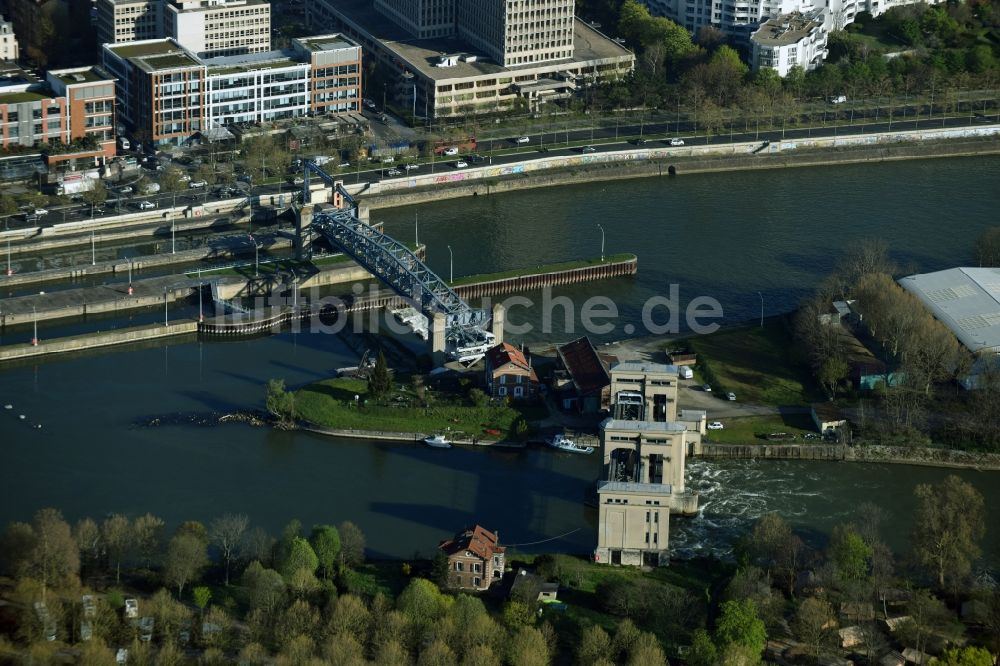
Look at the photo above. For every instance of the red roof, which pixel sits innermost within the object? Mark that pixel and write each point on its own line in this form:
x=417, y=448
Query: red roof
x=586, y=368
x=477, y=540
x=503, y=353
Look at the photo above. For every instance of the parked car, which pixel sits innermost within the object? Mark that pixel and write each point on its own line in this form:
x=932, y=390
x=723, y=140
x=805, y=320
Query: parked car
x=461, y=164
x=146, y=205
x=838, y=99
x=410, y=167
x=707, y=388
x=297, y=181
x=730, y=396
x=451, y=151
x=639, y=142
x=589, y=149
x=40, y=211
x=476, y=158
x=126, y=190
x=715, y=425
x=523, y=139
x=675, y=142
x=394, y=172
x=197, y=183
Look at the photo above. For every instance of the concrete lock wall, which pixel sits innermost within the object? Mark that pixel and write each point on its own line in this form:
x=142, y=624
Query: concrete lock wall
x=96, y=340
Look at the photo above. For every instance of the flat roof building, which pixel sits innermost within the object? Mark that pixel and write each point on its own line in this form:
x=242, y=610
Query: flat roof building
x=454, y=76
x=8, y=40
x=789, y=40
x=966, y=300
x=121, y=21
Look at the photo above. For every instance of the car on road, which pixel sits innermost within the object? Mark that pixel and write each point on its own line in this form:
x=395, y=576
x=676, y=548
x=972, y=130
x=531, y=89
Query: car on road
x=451, y=151
x=126, y=190
x=461, y=164
x=297, y=181
x=715, y=425
x=410, y=167
x=197, y=183
x=344, y=165
x=639, y=142
x=730, y=396
x=523, y=139
x=394, y=172
x=675, y=142
x=707, y=388
x=146, y=205
x=838, y=99
x=184, y=178
x=589, y=149
x=476, y=158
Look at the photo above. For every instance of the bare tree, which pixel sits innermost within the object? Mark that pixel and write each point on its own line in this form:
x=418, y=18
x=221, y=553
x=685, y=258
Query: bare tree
x=813, y=624
x=88, y=540
x=116, y=532
x=186, y=556
x=352, y=544
x=147, y=532
x=227, y=533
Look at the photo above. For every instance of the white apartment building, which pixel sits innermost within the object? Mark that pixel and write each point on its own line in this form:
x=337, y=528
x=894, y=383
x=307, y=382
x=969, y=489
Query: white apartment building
x=518, y=32
x=219, y=27
x=120, y=21
x=789, y=40
x=424, y=19
x=8, y=41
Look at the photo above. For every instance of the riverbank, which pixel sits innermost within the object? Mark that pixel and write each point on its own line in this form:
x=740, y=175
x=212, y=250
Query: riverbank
x=896, y=455
x=416, y=438
x=654, y=163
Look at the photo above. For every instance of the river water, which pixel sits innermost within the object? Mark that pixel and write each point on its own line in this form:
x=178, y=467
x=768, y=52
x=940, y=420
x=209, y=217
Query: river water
x=721, y=235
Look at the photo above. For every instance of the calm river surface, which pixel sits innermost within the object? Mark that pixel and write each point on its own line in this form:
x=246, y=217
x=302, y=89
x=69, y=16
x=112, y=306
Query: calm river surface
x=722, y=235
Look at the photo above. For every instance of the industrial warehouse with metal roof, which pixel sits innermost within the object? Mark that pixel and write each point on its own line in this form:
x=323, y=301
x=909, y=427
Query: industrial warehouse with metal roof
x=966, y=300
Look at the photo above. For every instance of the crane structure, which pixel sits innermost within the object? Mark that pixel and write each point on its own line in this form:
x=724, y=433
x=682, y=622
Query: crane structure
x=396, y=266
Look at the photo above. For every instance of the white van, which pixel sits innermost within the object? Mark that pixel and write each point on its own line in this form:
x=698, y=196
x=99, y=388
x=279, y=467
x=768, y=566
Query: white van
x=685, y=372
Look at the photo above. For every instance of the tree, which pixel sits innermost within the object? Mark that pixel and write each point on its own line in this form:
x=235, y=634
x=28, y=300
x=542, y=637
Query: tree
x=927, y=615
x=702, y=651
x=280, y=402
x=773, y=546
x=739, y=625
x=947, y=526
x=49, y=553
x=437, y=654
x=988, y=248
x=171, y=180
x=814, y=623
x=967, y=656
x=97, y=195
x=266, y=587
x=380, y=379
x=201, y=595
x=594, y=646
x=325, y=541
x=300, y=556
x=517, y=614
x=850, y=554
x=528, y=647
x=352, y=544
x=647, y=652
x=147, y=531
x=186, y=557
x=350, y=616
x=88, y=540
x=116, y=533
x=226, y=532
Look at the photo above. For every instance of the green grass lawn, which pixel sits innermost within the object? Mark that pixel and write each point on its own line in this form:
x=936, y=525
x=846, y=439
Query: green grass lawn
x=331, y=403
x=757, y=364
x=546, y=268
x=754, y=429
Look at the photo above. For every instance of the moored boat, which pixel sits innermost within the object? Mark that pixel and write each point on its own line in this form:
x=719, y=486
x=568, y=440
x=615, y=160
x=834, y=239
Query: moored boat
x=563, y=443
x=437, y=442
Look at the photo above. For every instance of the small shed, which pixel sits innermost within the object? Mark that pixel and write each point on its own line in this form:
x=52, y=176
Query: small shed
x=530, y=586
x=894, y=623
x=914, y=656
x=850, y=636
x=857, y=611
x=827, y=416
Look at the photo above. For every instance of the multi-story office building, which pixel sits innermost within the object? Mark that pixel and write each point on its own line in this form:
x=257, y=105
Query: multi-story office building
x=172, y=94
x=219, y=27
x=209, y=28
x=518, y=33
x=8, y=41
x=424, y=19
x=787, y=41
x=70, y=104
x=453, y=77
x=644, y=449
x=120, y=21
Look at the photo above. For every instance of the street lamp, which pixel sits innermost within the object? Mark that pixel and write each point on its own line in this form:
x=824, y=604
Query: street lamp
x=93, y=249
x=166, y=322
x=10, y=271
x=129, y=275
x=34, y=317
x=761, y=309
x=256, y=257
x=416, y=229
x=451, y=266
x=602, y=242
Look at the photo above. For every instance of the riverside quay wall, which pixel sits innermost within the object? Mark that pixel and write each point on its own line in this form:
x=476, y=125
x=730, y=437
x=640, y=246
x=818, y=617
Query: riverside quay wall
x=101, y=339
x=662, y=161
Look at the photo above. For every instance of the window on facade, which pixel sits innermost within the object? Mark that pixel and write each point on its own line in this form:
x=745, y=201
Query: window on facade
x=458, y=566
x=477, y=581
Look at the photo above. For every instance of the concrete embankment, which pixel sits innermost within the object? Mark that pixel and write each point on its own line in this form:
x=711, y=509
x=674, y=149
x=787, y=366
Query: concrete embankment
x=623, y=165
x=925, y=456
x=100, y=339
x=406, y=437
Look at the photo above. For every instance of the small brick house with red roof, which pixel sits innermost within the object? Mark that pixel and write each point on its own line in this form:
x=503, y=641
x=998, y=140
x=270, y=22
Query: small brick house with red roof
x=509, y=373
x=475, y=559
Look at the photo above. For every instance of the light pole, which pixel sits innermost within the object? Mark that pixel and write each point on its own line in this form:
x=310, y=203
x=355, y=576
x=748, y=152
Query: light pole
x=602, y=242
x=173, y=237
x=761, y=309
x=416, y=229
x=34, y=317
x=451, y=266
x=256, y=257
x=166, y=322
x=93, y=249
x=10, y=271
x=129, y=275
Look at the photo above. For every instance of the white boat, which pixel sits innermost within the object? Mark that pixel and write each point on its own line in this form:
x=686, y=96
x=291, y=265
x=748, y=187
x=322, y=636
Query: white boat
x=437, y=442
x=561, y=442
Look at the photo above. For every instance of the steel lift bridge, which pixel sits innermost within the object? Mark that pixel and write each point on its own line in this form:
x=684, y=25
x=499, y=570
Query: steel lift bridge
x=393, y=263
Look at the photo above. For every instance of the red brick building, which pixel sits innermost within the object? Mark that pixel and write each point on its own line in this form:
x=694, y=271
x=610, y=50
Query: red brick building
x=475, y=559
x=509, y=373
